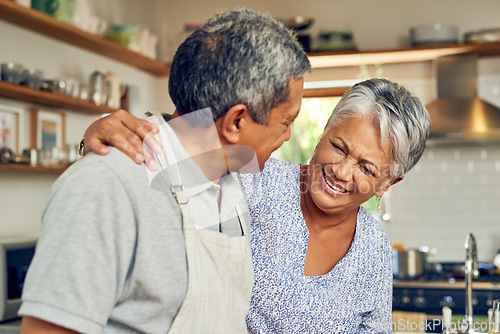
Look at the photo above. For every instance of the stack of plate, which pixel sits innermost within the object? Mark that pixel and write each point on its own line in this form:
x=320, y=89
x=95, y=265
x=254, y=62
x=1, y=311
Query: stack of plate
x=483, y=36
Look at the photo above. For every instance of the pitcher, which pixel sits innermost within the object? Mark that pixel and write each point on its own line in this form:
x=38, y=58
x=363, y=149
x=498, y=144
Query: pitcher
x=112, y=90
x=82, y=15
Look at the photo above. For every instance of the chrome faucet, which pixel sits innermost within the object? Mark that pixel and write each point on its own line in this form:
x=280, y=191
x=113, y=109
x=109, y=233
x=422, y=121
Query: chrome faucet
x=471, y=272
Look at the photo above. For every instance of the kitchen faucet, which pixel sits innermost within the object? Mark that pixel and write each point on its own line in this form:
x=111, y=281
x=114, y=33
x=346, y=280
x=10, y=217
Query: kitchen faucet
x=471, y=272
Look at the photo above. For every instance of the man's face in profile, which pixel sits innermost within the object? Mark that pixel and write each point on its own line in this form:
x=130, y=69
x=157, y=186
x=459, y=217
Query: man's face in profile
x=267, y=138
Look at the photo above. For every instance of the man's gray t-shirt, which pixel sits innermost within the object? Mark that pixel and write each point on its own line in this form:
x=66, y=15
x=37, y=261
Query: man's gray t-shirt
x=118, y=241
x=120, y=244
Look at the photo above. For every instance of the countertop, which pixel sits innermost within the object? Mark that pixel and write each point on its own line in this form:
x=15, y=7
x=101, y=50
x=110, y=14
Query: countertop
x=460, y=285
x=10, y=327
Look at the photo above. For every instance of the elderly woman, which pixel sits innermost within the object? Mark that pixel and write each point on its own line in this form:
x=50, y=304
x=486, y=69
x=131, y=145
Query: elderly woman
x=322, y=264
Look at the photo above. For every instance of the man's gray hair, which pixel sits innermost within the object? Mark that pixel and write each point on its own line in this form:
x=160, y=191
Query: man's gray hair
x=238, y=57
x=401, y=116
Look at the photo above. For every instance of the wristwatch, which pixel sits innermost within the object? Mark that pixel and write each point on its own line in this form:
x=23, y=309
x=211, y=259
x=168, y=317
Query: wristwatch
x=81, y=147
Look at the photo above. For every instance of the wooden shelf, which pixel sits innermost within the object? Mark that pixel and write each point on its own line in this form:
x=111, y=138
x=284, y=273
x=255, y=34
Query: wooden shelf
x=23, y=168
x=325, y=92
x=44, y=24
x=414, y=54
x=26, y=94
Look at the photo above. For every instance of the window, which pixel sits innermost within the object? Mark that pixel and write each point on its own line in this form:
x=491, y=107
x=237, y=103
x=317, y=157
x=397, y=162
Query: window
x=307, y=129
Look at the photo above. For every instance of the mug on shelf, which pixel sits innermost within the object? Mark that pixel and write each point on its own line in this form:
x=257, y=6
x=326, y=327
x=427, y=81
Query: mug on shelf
x=60, y=9
x=97, y=25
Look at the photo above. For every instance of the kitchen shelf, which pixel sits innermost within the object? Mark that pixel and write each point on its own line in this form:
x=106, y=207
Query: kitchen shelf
x=44, y=24
x=405, y=55
x=32, y=169
x=26, y=94
x=325, y=92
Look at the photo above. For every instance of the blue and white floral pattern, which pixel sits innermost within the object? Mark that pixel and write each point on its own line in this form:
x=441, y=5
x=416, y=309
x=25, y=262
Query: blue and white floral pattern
x=354, y=297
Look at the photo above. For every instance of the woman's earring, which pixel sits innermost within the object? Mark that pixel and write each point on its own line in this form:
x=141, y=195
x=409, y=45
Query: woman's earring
x=378, y=204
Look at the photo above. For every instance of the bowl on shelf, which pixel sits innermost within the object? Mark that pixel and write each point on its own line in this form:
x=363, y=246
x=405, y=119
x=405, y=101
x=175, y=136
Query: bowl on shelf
x=335, y=40
x=123, y=34
x=13, y=73
x=434, y=34
x=34, y=78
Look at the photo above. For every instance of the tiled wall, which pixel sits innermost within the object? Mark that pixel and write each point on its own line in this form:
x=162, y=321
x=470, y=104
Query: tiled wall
x=452, y=191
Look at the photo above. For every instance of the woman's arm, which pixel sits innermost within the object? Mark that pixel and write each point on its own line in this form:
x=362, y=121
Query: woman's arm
x=125, y=132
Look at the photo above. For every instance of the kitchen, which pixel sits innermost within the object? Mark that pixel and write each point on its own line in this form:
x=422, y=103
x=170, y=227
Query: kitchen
x=450, y=193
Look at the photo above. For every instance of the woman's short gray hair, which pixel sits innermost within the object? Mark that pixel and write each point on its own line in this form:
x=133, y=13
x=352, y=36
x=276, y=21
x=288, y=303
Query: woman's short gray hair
x=401, y=116
x=238, y=57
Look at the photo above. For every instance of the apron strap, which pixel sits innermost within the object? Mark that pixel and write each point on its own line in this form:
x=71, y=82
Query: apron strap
x=177, y=188
x=175, y=176
x=172, y=170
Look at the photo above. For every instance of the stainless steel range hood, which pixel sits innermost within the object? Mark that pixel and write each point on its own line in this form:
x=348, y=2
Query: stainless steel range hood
x=459, y=114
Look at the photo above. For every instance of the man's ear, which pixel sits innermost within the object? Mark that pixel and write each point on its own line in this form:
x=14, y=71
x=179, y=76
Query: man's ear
x=232, y=123
x=386, y=187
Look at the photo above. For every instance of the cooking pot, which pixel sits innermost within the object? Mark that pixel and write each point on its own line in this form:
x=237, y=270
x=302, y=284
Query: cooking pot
x=457, y=269
x=410, y=263
x=299, y=23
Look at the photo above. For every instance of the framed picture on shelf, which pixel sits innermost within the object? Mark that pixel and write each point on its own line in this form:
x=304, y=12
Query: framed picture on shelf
x=48, y=129
x=9, y=127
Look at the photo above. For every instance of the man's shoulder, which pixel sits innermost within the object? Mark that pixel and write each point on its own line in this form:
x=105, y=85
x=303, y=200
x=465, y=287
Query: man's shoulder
x=114, y=159
x=99, y=172
x=116, y=162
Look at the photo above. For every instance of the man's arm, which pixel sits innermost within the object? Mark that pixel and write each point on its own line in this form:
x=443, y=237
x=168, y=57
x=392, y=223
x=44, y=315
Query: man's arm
x=32, y=325
x=84, y=251
x=125, y=132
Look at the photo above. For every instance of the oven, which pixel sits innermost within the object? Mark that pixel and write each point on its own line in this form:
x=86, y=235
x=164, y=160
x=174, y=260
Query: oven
x=428, y=297
x=16, y=253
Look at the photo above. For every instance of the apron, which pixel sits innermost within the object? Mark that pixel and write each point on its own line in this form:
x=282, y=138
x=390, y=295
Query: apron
x=220, y=271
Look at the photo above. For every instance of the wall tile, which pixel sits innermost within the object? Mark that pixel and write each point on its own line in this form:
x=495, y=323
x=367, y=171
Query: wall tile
x=451, y=192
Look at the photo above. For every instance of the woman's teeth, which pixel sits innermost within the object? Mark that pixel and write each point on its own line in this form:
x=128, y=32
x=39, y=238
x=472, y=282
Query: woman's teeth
x=331, y=185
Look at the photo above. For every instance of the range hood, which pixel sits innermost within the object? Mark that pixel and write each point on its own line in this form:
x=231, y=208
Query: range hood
x=459, y=114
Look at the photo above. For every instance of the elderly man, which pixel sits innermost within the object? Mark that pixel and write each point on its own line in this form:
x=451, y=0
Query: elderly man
x=124, y=249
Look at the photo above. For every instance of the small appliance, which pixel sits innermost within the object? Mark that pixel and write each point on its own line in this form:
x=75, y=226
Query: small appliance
x=16, y=253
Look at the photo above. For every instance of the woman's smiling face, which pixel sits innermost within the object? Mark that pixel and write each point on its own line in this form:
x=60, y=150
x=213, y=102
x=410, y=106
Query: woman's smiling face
x=350, y=165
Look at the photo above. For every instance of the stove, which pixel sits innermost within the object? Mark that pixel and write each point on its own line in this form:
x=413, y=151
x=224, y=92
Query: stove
x=430, y=296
